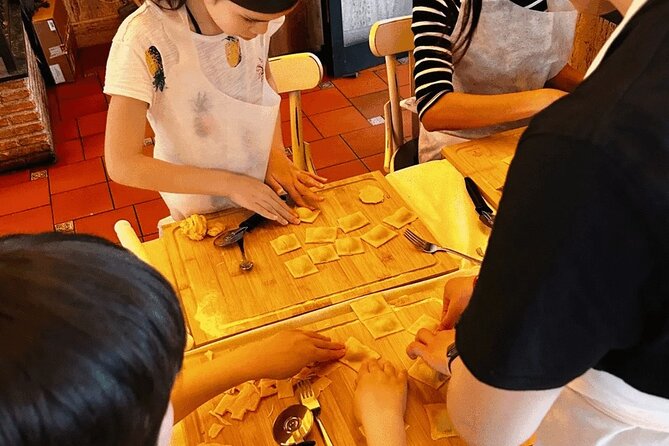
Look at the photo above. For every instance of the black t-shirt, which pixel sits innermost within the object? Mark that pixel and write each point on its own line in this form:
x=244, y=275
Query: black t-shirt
x=577, y=270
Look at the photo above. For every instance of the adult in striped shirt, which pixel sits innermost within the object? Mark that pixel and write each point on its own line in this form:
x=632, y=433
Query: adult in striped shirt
x=484, y=66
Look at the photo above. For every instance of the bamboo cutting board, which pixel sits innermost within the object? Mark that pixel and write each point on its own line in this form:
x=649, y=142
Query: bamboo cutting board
x=220, y=300
x=337, y=399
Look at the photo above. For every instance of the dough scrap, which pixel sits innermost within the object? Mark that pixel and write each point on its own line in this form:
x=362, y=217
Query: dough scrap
x=323, y=254
x=268, y=387
x=214, y=430
x=285, y=388
x=384, y=325
x=356, y=353
x=215, y=228
x=369, y=307
x=349, y=246
x=440, y=422
x=378, y=236
x=320, y=384
x=301, y=266
x=209, y=355
x=306, y=215
x=194, y=227
x=400, y=217
x=247, y=400
x=424, y=321
x=371, y=195
x=285, y=243
x=323, y=234
x=352, y=222
x=422, y=372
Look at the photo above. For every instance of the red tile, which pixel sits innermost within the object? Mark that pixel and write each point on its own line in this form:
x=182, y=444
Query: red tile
x=323, y=100
x=27, y=222
x=402, y=74
x=309, y=132
x=405, y=91
x=367, y=141
x=68, y=152
x=94, y=145
x=24, y=196
x=126, y=195
x=65, y=130
x=78, y=107
x=54, y=110
x=330, y=151
x=76, y=175
x=148, y=238
x=93, y=123
x=150, y=213
x=371, y=105
x=11, y=178
x=374, y=162
x=93, y=57
x=102, y=224
x=81, y=202
x=366, y=82
x=344, y=170
x=339, y=121
x=83, y=87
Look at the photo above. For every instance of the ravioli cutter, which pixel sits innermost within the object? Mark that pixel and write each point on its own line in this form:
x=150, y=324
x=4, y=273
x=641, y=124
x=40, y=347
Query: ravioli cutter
x=292, y=425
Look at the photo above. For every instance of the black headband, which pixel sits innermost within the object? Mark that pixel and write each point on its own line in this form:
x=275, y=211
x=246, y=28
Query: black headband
x=266, y=6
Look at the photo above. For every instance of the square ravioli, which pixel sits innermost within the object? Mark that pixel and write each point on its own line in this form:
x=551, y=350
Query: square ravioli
x=422, y=372
x=369, y=307
x=285, y=243
x=440, y=422
x=306, y=215
x=384, y=325
x=301, y=266
x=349, y=246
x=352, y=222
x=424, y=321
x=356, y=353
x=400, y=217
x=324, y=234
x=323, y=254
x=378, y=236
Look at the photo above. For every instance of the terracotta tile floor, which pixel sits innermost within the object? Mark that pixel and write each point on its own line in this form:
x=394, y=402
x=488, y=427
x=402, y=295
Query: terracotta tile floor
x=75, y=193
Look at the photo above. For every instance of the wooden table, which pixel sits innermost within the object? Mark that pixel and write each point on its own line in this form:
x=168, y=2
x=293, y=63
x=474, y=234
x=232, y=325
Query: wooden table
x=486, y=161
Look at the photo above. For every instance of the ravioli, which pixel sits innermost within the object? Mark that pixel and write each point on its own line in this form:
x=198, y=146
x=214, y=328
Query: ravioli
x=285, y=243
x=440, y=423
x=323, y=234
x=400, y=217
x=306, y=215
x=422, y=372
x=285, y=388
x=378, y=236
x=424, y=321
x=301, y=266
x=352, y=222
x=349, y=246
x=369, y=307
x=384, y=325
x=371, y=195
x=323, y=254
x=357, y=353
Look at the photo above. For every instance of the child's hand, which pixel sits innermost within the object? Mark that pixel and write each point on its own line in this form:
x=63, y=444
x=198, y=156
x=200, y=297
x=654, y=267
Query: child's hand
x=380, y=400
x=255, y=196
x=457, y=293
x=286, y=353
x=432, y=348
x=283, y=175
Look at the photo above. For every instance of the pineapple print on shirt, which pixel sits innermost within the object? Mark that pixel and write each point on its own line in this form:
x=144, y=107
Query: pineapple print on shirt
x=154, y=62
x=233, y=52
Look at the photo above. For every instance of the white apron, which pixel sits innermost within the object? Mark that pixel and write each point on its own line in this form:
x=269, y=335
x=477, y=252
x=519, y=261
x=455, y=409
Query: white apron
x=207, y=128
x=513, y=49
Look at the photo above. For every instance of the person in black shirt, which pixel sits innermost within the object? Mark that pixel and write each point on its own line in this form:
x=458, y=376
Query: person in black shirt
x=567, y=329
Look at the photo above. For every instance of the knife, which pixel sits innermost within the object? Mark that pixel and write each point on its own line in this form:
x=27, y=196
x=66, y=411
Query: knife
x=485, y=213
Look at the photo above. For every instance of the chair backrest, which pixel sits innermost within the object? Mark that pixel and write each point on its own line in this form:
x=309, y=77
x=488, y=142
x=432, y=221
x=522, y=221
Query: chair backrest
x=387, y=39
x=293, y=73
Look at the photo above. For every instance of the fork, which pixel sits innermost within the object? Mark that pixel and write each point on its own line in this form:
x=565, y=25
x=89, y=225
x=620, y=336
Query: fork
x=431, y=248
x=308, y=398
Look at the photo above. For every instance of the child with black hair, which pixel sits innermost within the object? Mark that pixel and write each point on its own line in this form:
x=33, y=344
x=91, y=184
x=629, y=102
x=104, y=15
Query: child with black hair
x=91, y=345
x=198, y=70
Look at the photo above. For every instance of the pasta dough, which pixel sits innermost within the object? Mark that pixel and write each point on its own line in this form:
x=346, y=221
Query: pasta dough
x=301, y=266
x=214, y=430
x=285, y=388
x=369, y=307
x=378, y=236
x=285, y=243
x=352, y=222
x=323, y=254
x=440, y=422
x=424, y=321
x=422, y=372
x=349, y=246
x=194, y=227
x=356, y=353
x=307, y=215
x=323, y=234
x=371, y=195
x=215, y=228
x=247, y=399
x=384, y=325
x=400, y=217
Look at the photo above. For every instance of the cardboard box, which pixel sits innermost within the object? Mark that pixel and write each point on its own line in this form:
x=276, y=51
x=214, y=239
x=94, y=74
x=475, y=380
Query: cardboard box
x=56, y=38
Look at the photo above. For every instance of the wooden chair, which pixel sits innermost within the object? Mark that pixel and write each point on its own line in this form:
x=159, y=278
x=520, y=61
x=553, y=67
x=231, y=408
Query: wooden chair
x=292, y=74
x=388, y=39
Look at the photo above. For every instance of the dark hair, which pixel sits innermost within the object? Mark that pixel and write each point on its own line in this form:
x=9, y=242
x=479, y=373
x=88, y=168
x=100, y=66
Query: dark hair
x=91, y=339
x=471, y=13
x=169, y=4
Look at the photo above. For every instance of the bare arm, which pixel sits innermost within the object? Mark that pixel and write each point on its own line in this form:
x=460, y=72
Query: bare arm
x=566, y=80
x=457, y=111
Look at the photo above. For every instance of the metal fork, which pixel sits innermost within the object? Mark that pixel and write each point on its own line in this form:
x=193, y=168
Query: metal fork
x=308, y=398
x=431, y=248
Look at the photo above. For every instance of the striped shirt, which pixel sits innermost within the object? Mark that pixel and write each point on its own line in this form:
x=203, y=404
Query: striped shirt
x=433, y=22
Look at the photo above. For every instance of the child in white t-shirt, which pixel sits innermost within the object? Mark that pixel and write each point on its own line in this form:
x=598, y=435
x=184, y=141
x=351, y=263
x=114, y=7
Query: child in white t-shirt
x=198, y=70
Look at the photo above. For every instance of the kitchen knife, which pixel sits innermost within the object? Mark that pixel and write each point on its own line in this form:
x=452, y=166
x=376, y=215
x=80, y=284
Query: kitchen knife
x=485, y=213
